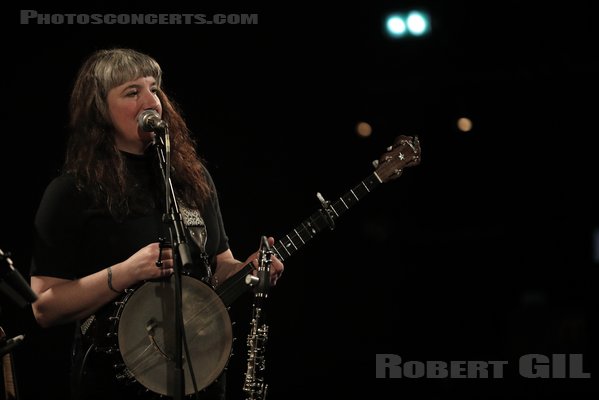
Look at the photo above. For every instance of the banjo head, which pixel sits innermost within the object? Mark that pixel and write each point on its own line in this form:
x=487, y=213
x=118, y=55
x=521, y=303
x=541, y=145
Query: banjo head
x=146, y=335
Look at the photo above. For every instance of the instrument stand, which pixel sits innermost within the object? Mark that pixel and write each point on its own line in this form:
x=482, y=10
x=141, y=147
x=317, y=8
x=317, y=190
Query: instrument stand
x=181, y=253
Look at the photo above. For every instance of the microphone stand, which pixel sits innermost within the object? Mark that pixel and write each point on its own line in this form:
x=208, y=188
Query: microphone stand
x=181, y=253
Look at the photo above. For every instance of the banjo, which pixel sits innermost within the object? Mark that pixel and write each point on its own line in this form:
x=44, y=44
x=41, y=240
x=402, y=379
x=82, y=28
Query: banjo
x=140, y=332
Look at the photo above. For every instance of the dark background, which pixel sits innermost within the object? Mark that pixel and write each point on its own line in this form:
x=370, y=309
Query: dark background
x=483, y=252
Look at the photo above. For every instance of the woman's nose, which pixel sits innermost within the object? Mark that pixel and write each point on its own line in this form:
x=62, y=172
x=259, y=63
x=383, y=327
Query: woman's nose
x=150, y=100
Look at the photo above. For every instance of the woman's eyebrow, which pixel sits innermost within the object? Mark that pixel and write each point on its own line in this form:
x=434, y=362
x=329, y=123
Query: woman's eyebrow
x=137, y=86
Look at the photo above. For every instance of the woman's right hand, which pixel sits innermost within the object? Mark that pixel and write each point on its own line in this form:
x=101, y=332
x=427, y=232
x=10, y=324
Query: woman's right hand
x=150, y=263
x=63, y=300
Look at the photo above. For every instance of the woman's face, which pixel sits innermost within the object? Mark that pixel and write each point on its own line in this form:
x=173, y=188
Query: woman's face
x=125, y=103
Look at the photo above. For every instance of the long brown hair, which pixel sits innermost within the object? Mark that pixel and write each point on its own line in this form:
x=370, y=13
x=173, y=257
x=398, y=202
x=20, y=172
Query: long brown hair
x=92, y=156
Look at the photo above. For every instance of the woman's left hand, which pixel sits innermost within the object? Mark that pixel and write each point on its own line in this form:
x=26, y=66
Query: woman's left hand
x=276, y=266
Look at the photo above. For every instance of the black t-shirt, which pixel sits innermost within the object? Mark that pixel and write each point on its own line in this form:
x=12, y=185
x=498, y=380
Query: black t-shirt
x=74, y=238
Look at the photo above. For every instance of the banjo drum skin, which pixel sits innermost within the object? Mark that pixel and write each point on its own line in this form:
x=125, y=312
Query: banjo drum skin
x=145, y=330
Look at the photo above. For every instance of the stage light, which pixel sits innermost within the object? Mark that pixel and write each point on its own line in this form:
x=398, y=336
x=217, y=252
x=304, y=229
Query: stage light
x=418, y=23
x=396, y=26
x=409, y=23
x=464, y=124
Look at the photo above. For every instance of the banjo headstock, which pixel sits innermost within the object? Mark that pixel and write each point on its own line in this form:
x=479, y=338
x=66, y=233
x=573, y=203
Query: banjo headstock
x=405, y=152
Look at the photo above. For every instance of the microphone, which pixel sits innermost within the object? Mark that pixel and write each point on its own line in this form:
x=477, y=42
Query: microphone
x=8, y=345
x=12, y=283
x=149, y=121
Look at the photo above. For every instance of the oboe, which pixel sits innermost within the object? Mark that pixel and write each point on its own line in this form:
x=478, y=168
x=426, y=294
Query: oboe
x=254, y=385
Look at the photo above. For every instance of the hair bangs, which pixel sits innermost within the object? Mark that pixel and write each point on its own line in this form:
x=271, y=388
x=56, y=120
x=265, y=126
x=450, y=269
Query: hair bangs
x=118, y=66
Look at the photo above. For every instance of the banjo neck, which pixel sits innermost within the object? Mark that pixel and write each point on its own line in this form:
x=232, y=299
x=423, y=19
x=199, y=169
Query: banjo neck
x=10, y=388
x=405, y=152
x=319, y=221
x=8, y=372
